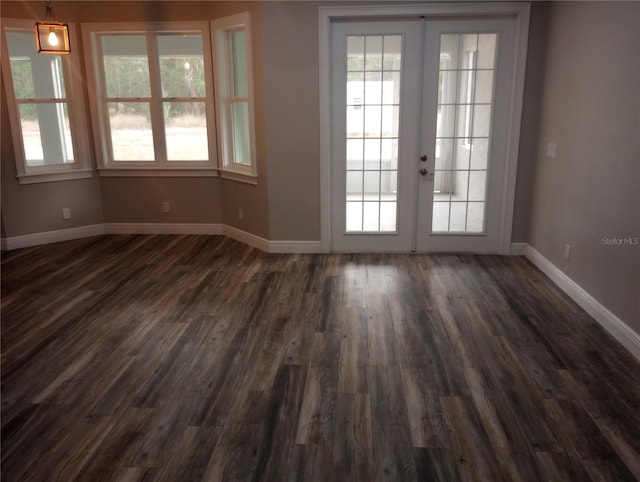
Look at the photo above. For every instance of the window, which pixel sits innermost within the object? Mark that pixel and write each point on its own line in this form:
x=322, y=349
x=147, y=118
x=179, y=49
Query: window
x=234, y=96
x=153, y=108
x=45, y=109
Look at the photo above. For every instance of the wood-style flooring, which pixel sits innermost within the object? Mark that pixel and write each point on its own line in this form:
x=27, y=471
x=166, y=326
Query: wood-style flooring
x=178, y=358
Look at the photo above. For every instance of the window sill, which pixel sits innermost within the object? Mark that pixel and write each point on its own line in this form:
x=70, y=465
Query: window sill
x=239, y=177
x=156, y=172
x=35, y=178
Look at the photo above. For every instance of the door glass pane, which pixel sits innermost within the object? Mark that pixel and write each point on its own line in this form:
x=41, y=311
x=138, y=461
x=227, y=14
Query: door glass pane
x=463, y=131
x=372, y=132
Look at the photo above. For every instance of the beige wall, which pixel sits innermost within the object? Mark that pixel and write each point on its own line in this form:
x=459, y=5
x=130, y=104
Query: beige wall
x=590, y=108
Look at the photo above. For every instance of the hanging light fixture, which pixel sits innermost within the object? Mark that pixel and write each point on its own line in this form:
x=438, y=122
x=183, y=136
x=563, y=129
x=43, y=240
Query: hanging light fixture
x=52, y=37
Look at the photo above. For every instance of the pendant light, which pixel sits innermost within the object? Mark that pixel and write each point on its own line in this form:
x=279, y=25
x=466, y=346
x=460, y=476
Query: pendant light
x=52, y=37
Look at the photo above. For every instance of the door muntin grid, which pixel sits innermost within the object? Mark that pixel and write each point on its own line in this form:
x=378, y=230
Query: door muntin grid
x=463, y=132
x=374, y=64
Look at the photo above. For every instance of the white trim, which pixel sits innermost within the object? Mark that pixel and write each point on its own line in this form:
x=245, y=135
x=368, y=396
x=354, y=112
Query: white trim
x=518, y=249
x=35, y=239
x=239, y=176
x=158, y=172
x=48, y=237
x=610, y=322
x=247, y=238
x=163, y=228
x=55, y=176
x=521, y=11
x=299, y=247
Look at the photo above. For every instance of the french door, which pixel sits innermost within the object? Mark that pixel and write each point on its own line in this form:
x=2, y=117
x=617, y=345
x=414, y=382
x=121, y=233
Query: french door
x=419, y=123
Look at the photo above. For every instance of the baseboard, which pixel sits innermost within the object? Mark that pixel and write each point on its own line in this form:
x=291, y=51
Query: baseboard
x=610, y=322
x=163, y=228
x=518, y=249
x=48, y=237
x=247, y=238
x=252, y=240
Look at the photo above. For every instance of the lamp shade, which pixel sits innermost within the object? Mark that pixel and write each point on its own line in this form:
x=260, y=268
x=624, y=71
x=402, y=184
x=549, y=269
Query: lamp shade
x=52, y=38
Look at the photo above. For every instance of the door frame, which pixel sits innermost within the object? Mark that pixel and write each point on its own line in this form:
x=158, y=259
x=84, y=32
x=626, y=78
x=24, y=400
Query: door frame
x=520, y=12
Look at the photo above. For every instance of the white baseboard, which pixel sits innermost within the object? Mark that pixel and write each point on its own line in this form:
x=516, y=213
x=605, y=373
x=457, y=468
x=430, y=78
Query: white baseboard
x=247, y=238
x=47, y=237
x=252, y=240
x=163, y=228
x=610, y=322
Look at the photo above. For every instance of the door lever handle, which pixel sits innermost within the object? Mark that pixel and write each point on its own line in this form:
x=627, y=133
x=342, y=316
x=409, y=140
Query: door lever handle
x=424, y=171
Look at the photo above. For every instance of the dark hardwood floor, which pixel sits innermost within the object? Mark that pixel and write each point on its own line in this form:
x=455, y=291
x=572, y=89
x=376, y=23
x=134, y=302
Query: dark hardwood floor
x=198, y=358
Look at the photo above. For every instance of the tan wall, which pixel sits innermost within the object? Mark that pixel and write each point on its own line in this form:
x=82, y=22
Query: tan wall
x=590, y=109
x=139, y=200
x=292, y=130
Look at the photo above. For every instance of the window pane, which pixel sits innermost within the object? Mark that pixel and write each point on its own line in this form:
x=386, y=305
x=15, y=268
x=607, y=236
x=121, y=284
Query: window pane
x=355, y=54
x=22, y=78
x=239, y=58
x=353, y=216
x=181, y=65
x=131, y=137
x=31, y=135
x=35, y=76
x=186, y=131
x=46, y=134
x=126, y=66
x=373, y=53
x=241, y=145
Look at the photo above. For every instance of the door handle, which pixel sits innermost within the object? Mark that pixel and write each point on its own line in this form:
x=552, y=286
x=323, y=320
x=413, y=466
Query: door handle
x=424, y=171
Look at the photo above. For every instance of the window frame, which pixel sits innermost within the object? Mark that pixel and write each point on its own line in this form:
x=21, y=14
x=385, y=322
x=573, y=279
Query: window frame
x=82, y=166
x=161, y=165
x=221, y=29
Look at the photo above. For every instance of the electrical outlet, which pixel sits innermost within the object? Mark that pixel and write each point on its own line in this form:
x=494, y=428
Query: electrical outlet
x=552, y=150
x=240, y=214
x=166, y=207
x=567, y=251
x=66, y=213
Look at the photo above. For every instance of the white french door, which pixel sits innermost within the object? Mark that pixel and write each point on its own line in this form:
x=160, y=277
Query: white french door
x=419, y=133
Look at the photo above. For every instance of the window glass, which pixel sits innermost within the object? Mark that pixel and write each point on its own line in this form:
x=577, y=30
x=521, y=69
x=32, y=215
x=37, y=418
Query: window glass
x=126, y=66
x=39, y=89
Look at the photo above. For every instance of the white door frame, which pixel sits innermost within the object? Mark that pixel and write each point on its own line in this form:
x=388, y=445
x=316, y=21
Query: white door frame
x=519, y=11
